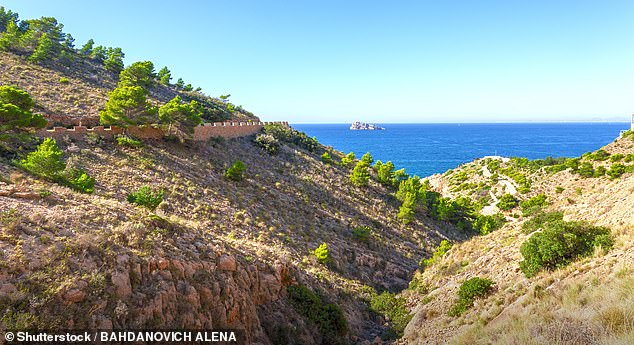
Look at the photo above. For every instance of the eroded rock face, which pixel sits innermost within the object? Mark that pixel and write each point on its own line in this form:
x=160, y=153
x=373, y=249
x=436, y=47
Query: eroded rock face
x=211, y=293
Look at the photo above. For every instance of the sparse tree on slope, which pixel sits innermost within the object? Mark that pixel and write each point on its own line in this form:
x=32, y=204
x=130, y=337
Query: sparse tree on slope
x=182, y=116
x=15, y=110
x=164, y=76
x=128, y=105
x=114, y=62
x=86, y=49
x=44, y=50
x=138, y=74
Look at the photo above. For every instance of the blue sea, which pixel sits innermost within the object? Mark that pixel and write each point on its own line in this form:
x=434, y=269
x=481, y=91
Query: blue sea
x=426, y=149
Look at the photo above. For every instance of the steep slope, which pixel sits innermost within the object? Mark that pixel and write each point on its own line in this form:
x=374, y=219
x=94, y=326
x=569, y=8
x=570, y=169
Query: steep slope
x=67, y=95
x=216, y=252
x=589, y=301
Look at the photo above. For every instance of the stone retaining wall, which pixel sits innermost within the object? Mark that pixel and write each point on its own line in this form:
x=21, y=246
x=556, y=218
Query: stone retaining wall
x=203, y=132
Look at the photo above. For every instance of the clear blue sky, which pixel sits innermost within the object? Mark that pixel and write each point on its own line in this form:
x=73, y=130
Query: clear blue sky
x=379, y=61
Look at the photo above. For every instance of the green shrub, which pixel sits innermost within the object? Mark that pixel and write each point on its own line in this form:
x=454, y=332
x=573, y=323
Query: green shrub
x=268, y=142
x=393, y=308
x=469, y=291
x=616, y=170
x=533, y=205
x=321, y=253
x=561, y=243
x=539, y=220
x=616, y=157
x=599, y=155
x=362, y=233
x=586, y=170
x=485, y=224
x=440, y=251
x=236, y=171
x=79, y=180
x=292, y=136
x=348, y=160
x=124, y=140
x=629, y=157
x=45, y=161
x=146, y=197
x=559, y=189
x=360, y=175
x=507, y=202
x=328, y=317
x=63, y=80
x=599, y=171
x=326, y=158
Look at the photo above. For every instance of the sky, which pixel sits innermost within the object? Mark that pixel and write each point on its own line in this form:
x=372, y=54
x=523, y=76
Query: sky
x=378, y=61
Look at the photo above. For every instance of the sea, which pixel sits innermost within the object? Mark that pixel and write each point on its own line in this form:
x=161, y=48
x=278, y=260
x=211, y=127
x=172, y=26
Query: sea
x=427, y=149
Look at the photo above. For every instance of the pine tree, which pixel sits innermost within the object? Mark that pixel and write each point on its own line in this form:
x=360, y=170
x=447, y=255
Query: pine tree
x=43, y=51
x=406, y=211
x=114, y=62
x=15, y=110
x=86, y=49
x=11, y=38
x=360, y=175
x=164, y=76
x=128, y=105
x=183, y=116
x=140, y=73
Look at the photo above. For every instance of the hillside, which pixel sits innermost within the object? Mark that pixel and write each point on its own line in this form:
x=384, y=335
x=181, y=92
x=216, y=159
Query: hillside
x=305, y=245
x=587, y=302
x=67, y=95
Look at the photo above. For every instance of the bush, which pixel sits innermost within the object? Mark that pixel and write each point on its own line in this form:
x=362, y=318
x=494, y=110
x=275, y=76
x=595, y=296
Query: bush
x=560, y=243
x=348, y=160
x=45, y=161
x=469, y=291
x=291, y=136
x=393, y=308
x=268, y=143
x=559, y=189
x=328, y=317
x=64, y=80
x=485, y=224
x=145, y=196
x=616, y=157
x=533, y=205
x=599, y=155
x=362, y=233
x=326, y=158
x=360, y=175
x=541, y=219
x=440, y=251
x=616, y=170
x=236, y=171
x=128, y=142
x=321, y=253
x=599, y=171
x=507, y=202
x=80, y=181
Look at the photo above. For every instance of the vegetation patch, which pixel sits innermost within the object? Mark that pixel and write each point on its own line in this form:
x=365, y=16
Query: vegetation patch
x=393, y=308
x=146, y=197
x=321, y=253
x=538, y=221
x=236, y=171
x=507, y=202
x=533, y=205
x=469, y=291
x=440, y=251
x=328, y=317
x=127, y=141
x=268, y=143
x=560, y=243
